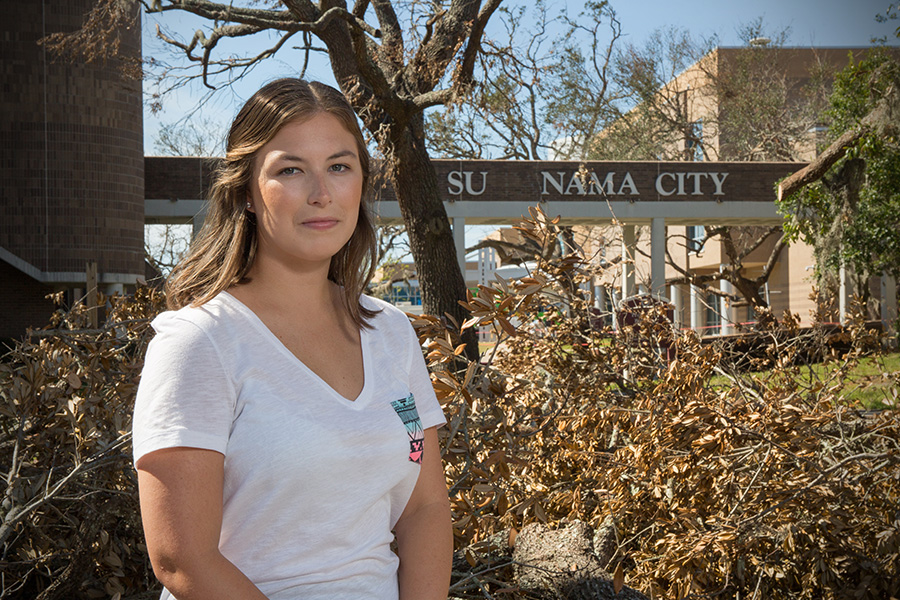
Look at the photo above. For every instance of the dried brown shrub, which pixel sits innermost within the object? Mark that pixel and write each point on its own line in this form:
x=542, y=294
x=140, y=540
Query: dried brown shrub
x=766, y=487
x=69, y=521
x=100, y=38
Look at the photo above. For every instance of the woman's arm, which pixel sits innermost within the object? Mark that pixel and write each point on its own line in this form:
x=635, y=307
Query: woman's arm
x=181, y=507
x=424, y=533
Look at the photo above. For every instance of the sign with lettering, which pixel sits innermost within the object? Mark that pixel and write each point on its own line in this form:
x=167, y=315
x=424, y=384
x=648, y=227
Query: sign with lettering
x=460, y=181
x=666, y=184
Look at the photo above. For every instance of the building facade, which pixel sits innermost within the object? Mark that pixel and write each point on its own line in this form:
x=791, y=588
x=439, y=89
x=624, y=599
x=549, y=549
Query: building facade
x=736, y=105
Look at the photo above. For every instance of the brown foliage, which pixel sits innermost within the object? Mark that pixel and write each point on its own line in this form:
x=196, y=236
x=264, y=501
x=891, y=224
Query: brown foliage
x=69, y=521
x=764, y=486
x=100, y=38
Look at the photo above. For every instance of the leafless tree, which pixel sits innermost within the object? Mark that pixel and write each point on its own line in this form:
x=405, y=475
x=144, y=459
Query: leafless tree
x=537, y=93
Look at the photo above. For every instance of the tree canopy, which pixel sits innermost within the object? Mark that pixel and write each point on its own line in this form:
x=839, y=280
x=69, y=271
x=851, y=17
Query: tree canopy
x=849, y=209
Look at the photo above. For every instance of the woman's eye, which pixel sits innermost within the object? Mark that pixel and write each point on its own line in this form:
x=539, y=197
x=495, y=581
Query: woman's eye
x=290, y=171
x=340, y=168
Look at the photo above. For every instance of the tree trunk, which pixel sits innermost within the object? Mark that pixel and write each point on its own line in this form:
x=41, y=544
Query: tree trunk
x=401, y=137
x=749, y=289
x=430, y=236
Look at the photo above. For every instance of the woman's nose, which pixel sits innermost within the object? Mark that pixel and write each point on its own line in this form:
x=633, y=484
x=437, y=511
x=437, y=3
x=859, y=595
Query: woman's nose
x=319, y=193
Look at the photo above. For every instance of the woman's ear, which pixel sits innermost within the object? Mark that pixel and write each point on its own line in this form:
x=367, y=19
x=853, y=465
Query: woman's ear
x=249, y=205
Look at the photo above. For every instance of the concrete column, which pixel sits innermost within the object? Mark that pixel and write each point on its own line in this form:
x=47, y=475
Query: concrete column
x=675, y=298
x=600, y=302
x=657, y=256
x=599, y=297
x=614, y=300
x=459, y=240
x=725, y=308
x=487, y=264
x=628, y=246
x=888, y=302
x=697, y=310
x=844, y=294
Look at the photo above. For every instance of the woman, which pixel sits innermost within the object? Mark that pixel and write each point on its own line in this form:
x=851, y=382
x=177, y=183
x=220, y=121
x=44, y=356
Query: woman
x=285, y=425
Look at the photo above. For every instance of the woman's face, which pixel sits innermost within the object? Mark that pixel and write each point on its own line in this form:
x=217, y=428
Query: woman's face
x=305, y=191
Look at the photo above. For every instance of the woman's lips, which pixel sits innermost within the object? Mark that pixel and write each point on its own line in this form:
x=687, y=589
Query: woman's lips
x=320, y=223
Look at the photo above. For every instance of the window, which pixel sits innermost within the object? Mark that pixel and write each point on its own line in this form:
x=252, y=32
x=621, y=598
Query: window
x=695, y=235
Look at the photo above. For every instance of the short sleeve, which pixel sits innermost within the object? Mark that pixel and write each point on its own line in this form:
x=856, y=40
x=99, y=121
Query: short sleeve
x=427, y=405
x=185, y=397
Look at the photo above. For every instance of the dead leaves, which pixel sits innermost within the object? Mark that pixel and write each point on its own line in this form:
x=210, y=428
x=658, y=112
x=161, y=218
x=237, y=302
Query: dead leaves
x=765, y=486
x=66, y=398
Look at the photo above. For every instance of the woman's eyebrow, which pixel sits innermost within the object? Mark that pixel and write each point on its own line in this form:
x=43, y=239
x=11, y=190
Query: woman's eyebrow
x=342, y=154
x=295, y=158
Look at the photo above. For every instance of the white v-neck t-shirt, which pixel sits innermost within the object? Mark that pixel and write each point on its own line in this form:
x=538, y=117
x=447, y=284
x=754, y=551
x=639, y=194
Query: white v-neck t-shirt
x=314, y=482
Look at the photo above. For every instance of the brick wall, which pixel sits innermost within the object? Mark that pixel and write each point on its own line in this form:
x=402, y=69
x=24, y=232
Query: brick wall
x=22, y=302
x=71, y=148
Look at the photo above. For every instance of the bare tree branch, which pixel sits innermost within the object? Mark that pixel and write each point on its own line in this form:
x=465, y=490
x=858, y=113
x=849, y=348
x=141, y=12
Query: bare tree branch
x=261, y=18
x=473, y=45
x=760, y=239
x=391, y=54
x=429, y=64
x=773, y=259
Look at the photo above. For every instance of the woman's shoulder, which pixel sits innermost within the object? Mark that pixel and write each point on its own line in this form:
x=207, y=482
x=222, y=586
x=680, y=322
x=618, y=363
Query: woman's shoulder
x=210, y=334
x=387, y=314
x=213, y=319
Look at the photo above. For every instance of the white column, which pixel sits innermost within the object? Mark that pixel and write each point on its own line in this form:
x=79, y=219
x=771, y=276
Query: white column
x=487, y=264
x=696, y=310
x=628, y=244
x=725, y=308
x=844, y=295
x=459, y=240
x=678, y=303
x=888, y=303
x=657, y=256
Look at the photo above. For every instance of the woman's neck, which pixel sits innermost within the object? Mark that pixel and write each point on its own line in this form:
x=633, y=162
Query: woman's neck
x=270, y=287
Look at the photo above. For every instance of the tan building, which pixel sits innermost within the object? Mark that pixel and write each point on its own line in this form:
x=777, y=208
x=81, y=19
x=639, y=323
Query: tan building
x=707, y=122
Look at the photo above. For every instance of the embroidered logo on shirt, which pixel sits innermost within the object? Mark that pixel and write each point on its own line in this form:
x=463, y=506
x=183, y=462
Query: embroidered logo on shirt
x=406, y=410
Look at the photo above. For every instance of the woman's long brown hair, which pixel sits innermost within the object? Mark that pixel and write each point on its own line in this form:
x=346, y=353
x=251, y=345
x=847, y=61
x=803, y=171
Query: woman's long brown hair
x=225, y=248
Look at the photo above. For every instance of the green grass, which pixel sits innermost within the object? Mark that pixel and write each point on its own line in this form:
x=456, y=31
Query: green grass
x=871, y=384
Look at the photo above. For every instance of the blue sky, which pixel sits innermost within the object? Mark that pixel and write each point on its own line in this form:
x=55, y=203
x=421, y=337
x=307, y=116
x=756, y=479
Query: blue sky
x=811, y=23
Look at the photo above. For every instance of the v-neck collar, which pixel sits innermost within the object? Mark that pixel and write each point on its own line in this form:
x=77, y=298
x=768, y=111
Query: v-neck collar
x=258, y=324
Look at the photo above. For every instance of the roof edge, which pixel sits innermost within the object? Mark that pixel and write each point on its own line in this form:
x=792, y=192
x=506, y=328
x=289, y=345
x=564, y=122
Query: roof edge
x=22, y=265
